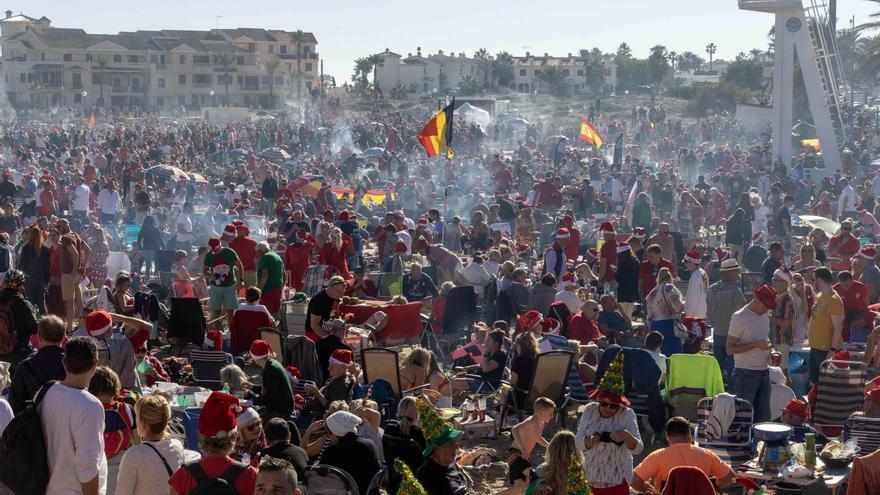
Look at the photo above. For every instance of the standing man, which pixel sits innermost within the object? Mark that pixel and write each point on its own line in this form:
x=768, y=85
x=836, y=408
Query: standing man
x=608, y=256
x=219, y=270
x=826, y=324
x=846, y=203
x=270, y=276
x=555, y=261
x=723, y=299
x=81, y=194
x=184, y=228
x=649, y=269
x=108, y=203
x=664, y=239
x=772, y=263
x=245, y=248
x=866, y=271
x=750, y=346
x=73, y=425
x=698, y=283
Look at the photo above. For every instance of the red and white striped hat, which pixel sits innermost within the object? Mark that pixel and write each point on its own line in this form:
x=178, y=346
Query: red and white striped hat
x=639, y=233
x=230, y=230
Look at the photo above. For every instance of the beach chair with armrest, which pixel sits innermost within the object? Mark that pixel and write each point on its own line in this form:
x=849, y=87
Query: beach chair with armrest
x=840, y=393
x=735, y=446
x=549, y=380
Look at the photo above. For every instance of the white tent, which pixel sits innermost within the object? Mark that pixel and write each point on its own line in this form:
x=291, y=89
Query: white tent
x=473, y=115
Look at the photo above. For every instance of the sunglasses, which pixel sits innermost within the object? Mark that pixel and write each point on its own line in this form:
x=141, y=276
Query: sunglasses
x=253, y=427
x=609, y=405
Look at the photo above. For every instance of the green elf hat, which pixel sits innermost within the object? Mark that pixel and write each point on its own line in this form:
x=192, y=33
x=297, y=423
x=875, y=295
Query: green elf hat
x=611, y=386
x=437, y=431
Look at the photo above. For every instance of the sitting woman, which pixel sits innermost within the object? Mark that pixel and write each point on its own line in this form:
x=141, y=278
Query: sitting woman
x=552, y=475
x=415, y=372
x=525, y=355
x=405, y=428
x=368, y=411
x=237, y=381
x=317, y=438
x=250, y=439
x=351, y=453
x=440, y=393
x=247, y=321
x=122, y=301
x=489, y=372
x=148, y=368
x=217, y=436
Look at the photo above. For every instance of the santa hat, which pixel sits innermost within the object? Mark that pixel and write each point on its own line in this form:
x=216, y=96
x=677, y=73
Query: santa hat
x=567, y=280
x=530, y=320
x=260, y=349
x=243, y=229
x=400, y=247
x=562, y=234
x=422, y=244
x=280, y=248
x=551, y=325
x=218, y=416
x=591, y=254
x=567, y=220
x=869, y=251
x=423, y=221
x=214, y=243
x=606, y=227
x=214, y=339
x=98, y=323
x=247, y=416
x=293, y=372
x=623, y=247
x=229, y=230
x=639, y=233
x=692, y=256
x=341, y=357
x=343, y=216
x=300, y=234
x=757, y=236
x=722, y=254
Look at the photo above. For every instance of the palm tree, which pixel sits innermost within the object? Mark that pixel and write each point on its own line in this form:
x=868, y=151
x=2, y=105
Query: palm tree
x=502, y=69
x=624, y=50
x=271, y=66
x=225, y=60
x=374, y=61
x=484, y=62
x=672, y=56
x=553, y=77
x=299, y=37
x=362, y=68
x=711, y=48
x=102, y=61
x=755, y=54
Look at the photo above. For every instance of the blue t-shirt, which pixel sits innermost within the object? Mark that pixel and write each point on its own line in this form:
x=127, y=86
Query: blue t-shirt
x=614, y=321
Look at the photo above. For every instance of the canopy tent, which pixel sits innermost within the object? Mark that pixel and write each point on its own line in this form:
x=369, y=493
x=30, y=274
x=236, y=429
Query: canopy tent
x=473, y=115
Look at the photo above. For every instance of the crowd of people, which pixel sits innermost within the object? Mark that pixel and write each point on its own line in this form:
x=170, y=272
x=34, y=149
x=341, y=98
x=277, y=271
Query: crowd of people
x=686, y=227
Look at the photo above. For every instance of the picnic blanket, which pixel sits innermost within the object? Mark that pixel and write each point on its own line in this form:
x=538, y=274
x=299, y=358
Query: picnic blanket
x=404, y=320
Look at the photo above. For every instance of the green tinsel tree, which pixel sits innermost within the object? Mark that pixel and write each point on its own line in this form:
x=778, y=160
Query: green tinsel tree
x=577, y=482
x=432, y=424
x=409, y=485
x=612, y=380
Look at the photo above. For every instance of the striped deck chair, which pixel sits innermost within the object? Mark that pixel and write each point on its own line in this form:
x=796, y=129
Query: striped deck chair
x=577, y=393
x=734, y=448
x=840, y=393
x=639, y=405
x=865, y=430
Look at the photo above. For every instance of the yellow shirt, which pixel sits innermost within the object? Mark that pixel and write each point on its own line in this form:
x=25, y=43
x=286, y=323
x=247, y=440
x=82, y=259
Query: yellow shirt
x=821, y=327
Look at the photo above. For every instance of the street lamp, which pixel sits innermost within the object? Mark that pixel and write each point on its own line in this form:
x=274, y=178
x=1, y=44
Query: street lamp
x=84, y=94
x=211, y=94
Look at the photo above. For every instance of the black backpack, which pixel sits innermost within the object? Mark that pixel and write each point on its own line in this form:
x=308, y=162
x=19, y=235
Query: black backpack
x=224, y=485
x=24, y=467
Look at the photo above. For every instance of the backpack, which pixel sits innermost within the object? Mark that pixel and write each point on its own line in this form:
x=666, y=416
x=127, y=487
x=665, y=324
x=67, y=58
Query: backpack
x=224, y=485
x=8, y=333
x=24, y=467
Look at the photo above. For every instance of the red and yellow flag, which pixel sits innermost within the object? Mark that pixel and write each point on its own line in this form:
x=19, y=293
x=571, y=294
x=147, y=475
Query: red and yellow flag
x=590, y=134
x=436, y=136
x=90, y=123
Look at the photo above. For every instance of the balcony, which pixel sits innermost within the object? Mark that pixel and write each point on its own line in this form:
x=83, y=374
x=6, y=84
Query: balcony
x=202, y=85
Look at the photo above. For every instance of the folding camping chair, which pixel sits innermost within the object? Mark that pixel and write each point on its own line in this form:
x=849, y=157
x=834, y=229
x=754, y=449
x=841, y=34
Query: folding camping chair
x=702, y=378
x=577, y=393
x=865, y=430
x=840, y=393
x=548, y=380
x=273, y=337
x=379, y=363
x=206, y=366
x=735, y=446
x=321, y=479
x=459, y=317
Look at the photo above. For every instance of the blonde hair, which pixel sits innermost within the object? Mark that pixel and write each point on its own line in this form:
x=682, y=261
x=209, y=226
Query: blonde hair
x=419, y=357
x=446, y=287
x=407, y=414
x=155, y=413
x=664, y=276
x=559, y=456
x=336, y=237
x=526, y=344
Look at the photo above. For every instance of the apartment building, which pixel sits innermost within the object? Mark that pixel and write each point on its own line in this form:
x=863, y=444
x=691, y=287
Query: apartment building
x=419, y=74
x=47, y=66
x=528, y=68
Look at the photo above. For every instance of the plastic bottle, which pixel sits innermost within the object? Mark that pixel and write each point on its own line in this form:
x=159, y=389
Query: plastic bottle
x=810, y=450
x=225, y=388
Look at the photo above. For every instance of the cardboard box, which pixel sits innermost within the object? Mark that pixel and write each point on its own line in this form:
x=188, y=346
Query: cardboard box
x=477, y=429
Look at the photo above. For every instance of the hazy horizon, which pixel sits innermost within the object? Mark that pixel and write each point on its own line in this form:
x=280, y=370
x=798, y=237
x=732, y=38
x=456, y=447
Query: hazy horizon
x=348, y=30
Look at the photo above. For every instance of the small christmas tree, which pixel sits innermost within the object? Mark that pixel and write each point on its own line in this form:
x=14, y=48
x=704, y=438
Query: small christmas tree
x=612, y=380
x=577, y=482
x=409, y=485
x=432, y=424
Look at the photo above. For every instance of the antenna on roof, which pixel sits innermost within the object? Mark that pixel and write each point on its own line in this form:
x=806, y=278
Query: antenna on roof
x=217, y=18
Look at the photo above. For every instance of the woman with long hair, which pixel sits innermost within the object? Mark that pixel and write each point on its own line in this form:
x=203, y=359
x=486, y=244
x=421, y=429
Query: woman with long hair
x=440, y=392
x=405, y=427
x=415, y=372
x=334, y=252
x=552, y=475
x=664, y=307
x=522, y=368
x=34, y=262
x=807, y=263
x=146, y=468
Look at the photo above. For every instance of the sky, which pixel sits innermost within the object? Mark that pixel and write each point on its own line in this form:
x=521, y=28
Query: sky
x=348, y=29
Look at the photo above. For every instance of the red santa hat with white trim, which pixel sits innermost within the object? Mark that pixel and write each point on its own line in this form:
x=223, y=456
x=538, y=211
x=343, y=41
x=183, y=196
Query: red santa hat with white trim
x=98, y=323
x=868, y=251
x=551, y=325
x=214, y=340
x=692, y=256
x=218, y=418
x=606, y=227
x=260, y=349
x=639, y=233
x=341, y=357
x=562, y=234
x=567, y=280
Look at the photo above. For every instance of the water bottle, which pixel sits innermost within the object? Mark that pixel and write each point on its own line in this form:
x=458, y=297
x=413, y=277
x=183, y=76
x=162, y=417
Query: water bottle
x=225, y=388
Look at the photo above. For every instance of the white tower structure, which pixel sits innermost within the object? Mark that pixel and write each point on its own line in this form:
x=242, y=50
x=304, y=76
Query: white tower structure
x=803, y=31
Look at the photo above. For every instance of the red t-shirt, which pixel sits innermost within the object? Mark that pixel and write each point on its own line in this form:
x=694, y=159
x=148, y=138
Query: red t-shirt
x=246, y=249
x=582, y=329
x=214, y=467
x=854, y=299
x=574, y=242
x=648, y=273
x=609, y=252
x=847, y=247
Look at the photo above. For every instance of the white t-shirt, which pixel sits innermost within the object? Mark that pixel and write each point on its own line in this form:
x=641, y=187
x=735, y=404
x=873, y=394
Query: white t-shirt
x=81, y=195
x=749, y=327
x=847, y=200
x=73, y=424
x=184, y=220
x=695, y=298
x=6, y=414
x=108, y=202
x=571, y=300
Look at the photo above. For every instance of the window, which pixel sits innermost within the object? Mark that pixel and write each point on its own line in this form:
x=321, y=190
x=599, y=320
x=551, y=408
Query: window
x=68, y=57
x=181, y=100
x=77, y=80
x=23, y=77
x=201, y=59
x=160, y=102
x=162, y=59
x=201, y=79
x=252, y=47
x=182, y=60
x=133, y=59
x=43, y=56
x=96, y=78
x=161, y=82
x=117, y=58
x=565, y=72
x=306, y=49
x=135, y=85
x=580, y=72
x=221, y=79
x=308, y=66
x=181, y=79
x=283, y=49
x=271, y=49
x=88, y=57
x=154, y=59
x=239, y=60
x=522, y=72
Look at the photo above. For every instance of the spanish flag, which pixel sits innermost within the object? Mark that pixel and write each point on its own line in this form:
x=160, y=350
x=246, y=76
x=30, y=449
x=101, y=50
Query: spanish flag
x=590, y=134
x=90, y=123
x=436, y=136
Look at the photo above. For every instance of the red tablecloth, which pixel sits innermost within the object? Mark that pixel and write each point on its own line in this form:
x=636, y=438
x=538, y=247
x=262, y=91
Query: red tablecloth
x=404, y=320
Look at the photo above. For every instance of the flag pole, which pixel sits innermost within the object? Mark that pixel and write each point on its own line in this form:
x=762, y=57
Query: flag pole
x=448, y=166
